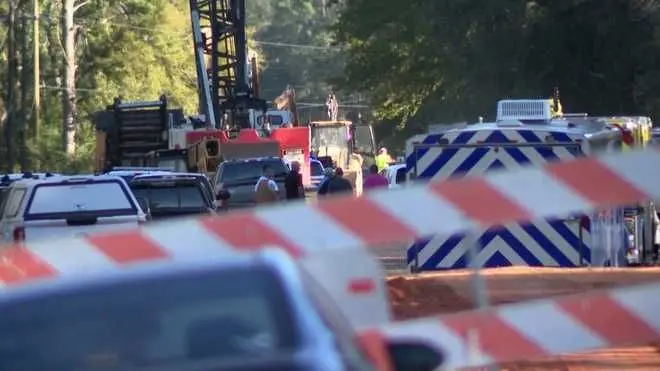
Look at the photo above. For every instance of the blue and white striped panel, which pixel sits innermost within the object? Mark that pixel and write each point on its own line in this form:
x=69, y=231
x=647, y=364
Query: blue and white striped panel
x=547, y=243
x=436, y=162
x=553, y=243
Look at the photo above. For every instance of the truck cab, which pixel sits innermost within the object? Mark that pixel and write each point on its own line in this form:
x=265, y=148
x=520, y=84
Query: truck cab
x=340, y=139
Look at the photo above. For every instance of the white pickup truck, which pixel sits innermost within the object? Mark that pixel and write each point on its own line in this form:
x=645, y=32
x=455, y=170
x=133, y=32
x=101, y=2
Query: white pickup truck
x=63, y=206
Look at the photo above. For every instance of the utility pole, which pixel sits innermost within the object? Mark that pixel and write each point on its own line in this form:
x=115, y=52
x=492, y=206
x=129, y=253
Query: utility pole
x=37, y=77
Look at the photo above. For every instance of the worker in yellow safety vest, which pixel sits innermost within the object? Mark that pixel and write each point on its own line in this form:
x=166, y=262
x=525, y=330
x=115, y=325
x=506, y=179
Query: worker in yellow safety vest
x=555, y=104
x=383, y=159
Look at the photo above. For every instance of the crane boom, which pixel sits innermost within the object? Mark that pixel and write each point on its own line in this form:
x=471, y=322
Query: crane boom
x=223, y=86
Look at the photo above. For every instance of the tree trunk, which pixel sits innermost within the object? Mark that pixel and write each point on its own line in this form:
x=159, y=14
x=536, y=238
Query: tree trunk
x=26, y=75
x=53, y=75
x=10, y=125
x=69, y=96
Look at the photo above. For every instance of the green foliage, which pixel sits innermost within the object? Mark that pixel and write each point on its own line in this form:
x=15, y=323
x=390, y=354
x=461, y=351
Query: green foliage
x=138, y=49
x=309, y=61
x=447, y=60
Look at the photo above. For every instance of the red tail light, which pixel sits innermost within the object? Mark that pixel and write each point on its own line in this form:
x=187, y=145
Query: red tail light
x=19, y=234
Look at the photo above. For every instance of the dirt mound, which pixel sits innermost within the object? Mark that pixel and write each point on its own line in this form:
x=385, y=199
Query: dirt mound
x=412, y=298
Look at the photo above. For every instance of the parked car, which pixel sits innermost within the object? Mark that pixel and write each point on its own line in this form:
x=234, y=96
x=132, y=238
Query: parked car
x=128, y=173
x=317, y=173
x=240, y=313
x=236, y=179
x=67, y=206
x=7, y=179
x=174, y=194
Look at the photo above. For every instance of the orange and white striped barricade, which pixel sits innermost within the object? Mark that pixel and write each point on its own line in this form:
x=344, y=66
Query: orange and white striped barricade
x=537, y=329
x=309, y=231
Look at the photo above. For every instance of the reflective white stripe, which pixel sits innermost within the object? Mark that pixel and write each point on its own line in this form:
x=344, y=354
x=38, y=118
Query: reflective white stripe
x=643, y=301
x=559, y=241
x=549, y=327
x=188, y=239
x=71, y=255
x=308, y=227
x=538, y=192
x=497, y=245
x=422, y=211
x=533, y=246
x=636, y=167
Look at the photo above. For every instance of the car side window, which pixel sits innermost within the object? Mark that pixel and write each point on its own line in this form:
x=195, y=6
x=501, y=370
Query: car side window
x=352, y=355
x=218, y=175
x=4, y=192
x=14, y=201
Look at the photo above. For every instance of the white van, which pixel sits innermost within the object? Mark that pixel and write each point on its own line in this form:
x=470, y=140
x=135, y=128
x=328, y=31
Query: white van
x=67, y=206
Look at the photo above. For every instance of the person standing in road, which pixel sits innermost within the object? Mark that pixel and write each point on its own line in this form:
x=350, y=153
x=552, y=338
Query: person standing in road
x=336, y=184
x=293, y=183
x=266, y=190
x=328, y=174
x=383, y=160
x=374, y=180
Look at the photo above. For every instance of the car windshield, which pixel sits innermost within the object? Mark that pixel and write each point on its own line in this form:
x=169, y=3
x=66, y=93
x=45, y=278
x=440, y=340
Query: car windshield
x=317, y=168
x=250, y=171
x=218, y=315
x=331, y=135
x=74, y=198
x=161, y=195
x=364, y=139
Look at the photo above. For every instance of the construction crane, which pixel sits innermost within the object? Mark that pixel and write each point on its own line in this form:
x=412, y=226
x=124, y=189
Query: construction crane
x=226, y=95
x=228, y=87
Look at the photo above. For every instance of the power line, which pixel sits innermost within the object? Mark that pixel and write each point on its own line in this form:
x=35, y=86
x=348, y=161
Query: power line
x=258, y=42
x=299, y=46
x=187, y=35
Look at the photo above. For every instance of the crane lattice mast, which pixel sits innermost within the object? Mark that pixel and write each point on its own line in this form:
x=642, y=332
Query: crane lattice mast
x=218, y=28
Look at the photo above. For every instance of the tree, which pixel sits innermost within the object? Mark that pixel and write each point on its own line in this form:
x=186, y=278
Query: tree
x=445, y=61
x=136, y=48
x=297, y=48
x=12, y=84
x=69, y=34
